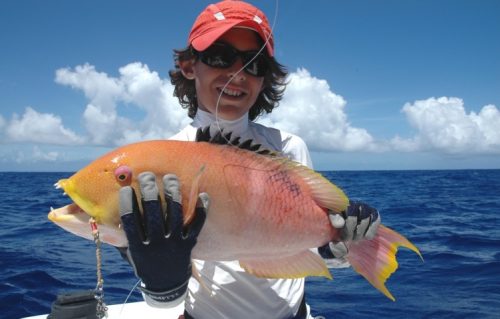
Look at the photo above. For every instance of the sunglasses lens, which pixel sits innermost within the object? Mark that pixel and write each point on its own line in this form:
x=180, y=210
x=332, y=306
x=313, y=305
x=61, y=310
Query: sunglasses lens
x=258, y=66
x=222, y=56
x=218, y=56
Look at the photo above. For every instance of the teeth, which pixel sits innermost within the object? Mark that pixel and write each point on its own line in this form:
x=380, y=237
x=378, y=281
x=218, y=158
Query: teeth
x=232, y=92
x=51, y=208
x=57, y=186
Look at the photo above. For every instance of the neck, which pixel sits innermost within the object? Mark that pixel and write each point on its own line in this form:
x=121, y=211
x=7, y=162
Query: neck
x=238, y=126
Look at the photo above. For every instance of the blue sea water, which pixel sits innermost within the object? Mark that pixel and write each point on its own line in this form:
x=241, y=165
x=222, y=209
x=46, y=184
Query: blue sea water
x=452, y=216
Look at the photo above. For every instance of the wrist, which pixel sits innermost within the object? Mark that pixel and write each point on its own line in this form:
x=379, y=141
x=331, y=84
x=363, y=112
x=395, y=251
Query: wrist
x=167, y=298
x=156, y=281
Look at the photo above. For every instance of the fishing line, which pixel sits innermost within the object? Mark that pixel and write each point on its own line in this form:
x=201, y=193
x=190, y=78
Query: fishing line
x=217, y=112
x=129, y=294
x=243, y=68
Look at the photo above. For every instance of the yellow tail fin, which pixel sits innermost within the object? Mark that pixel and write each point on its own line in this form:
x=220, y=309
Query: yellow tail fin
x=375, y=259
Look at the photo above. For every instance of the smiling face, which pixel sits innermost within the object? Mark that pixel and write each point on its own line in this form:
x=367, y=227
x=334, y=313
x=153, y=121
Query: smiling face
x=241, y=93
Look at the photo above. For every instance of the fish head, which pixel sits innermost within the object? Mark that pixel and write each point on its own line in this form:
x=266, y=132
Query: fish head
x=95, y=194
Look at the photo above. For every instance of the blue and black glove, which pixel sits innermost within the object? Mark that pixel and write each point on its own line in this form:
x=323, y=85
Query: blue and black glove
x=359, y=221
x=159, y=246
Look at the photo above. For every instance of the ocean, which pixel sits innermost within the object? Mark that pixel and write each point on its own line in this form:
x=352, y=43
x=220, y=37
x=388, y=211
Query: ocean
x=453, y=216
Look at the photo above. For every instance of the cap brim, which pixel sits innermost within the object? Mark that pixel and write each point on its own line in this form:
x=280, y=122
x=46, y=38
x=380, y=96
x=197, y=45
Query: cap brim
x=207, y=39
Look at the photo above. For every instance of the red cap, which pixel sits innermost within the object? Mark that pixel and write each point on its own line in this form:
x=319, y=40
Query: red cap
x=218, y=18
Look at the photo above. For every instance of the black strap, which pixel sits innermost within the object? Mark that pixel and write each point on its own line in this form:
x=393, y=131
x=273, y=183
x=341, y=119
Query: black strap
x=301, y=313
x=74, y=305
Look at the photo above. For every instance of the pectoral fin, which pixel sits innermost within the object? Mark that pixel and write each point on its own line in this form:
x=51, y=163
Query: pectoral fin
x=300, y=265
x=193, y=197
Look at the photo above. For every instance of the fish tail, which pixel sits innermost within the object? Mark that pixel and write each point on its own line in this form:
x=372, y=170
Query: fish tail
x=375, y=259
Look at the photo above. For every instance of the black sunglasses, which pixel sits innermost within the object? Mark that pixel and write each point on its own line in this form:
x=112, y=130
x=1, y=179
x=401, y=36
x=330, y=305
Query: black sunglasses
x=221, y=55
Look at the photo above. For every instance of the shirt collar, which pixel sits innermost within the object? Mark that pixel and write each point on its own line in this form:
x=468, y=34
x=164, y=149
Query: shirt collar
x=238, y=126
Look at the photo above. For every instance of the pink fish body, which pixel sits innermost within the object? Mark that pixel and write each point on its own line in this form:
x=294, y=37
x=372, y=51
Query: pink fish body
x=265, y=211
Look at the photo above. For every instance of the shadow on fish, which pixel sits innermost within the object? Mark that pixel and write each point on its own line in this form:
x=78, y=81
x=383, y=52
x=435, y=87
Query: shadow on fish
x=265, y=211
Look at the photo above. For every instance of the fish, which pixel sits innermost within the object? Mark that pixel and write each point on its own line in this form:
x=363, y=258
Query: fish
x=266, y=211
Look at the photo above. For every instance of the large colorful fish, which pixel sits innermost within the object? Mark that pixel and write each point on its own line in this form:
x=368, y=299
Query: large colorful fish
x=265, y=211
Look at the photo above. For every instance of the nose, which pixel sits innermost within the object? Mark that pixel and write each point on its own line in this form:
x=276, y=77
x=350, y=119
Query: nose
x=235, y=72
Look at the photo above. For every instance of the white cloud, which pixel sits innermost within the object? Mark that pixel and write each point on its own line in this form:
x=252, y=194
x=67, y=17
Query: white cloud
x=98, y=87
x=39, y=155
x=100, y=116
x=40, y=128
x=28, y=155
x=20, y=157
x=136, y=85
x=443, y=124
x=164, y=115
x=311, y=110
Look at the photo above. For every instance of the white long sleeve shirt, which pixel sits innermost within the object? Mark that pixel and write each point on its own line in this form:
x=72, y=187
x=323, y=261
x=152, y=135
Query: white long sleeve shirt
x=232, y=292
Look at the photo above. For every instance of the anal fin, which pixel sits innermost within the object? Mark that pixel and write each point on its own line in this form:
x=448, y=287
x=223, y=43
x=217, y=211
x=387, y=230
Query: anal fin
x=301, y=265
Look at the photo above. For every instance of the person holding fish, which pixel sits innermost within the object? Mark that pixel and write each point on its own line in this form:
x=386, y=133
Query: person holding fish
x=226, y=77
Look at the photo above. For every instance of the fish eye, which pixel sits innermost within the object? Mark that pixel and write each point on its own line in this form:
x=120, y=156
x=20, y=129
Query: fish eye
x=123, y=175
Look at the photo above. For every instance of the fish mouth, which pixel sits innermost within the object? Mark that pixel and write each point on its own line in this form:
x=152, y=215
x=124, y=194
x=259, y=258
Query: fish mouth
x=73, y=219
x=76, y=221
x=68, y=213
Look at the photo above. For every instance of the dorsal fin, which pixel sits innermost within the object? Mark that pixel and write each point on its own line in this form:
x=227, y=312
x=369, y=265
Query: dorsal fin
x=222, y=138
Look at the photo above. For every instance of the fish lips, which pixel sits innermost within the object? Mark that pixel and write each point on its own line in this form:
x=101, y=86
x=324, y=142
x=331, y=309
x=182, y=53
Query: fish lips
x=73, y=219
x=76, y=221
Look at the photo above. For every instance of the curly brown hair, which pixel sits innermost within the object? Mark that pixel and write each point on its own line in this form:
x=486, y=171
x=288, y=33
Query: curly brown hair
x=274, y=86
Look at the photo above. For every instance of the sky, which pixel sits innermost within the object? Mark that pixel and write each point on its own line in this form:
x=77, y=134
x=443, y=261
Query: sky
x=373, y=85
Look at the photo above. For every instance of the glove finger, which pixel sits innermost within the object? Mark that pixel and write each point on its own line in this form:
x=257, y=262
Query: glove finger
x=200, y=215
x=349, y=228
x=151, y=205
x=173, y=199
x=372, y=229
x=147, y=184
x=325, y=251
x=361, y=229
x=337, y=220
x=352, y=209
x=365, y=211
x=339, y=249
x=359, y=209
x=172, y=187
x=130, y=216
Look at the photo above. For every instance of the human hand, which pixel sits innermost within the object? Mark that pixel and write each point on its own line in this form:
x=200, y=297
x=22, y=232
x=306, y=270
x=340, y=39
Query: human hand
x=358, y=222
x=159, y=246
